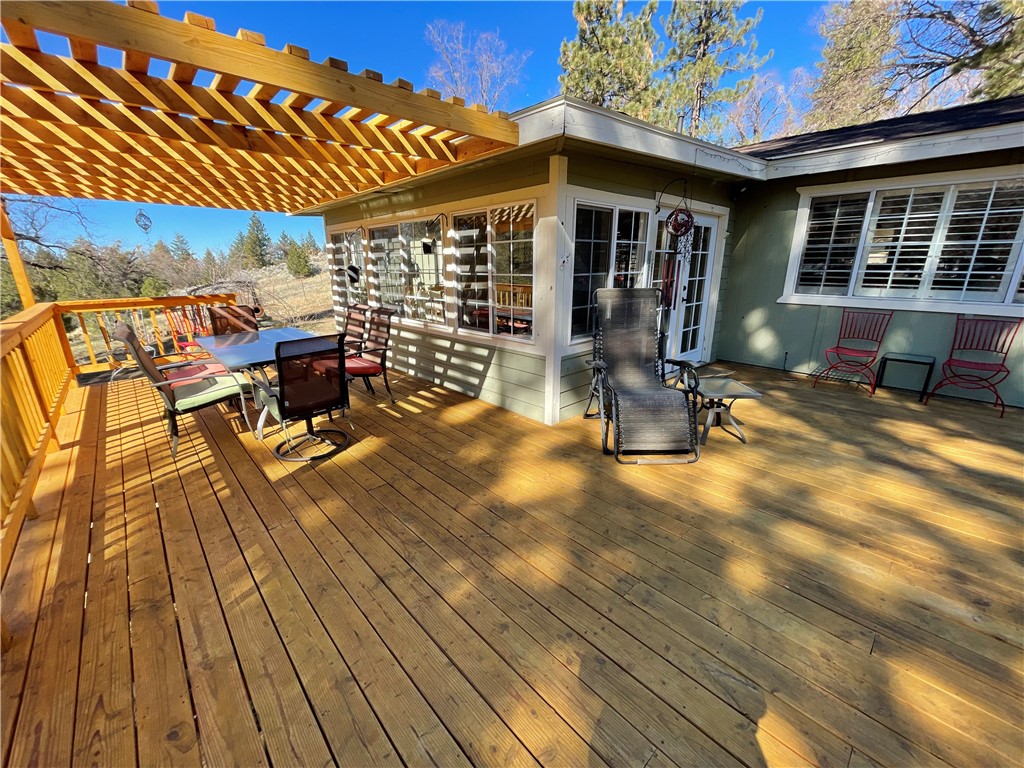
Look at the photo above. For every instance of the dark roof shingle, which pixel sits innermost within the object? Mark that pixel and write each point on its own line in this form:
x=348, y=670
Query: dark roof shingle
x=969, y=116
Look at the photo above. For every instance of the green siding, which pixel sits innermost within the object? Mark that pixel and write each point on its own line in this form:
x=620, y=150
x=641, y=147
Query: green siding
x=509, y=378
x=639, y=181
x=756, y=329
x=574, y=384
x=449, y=190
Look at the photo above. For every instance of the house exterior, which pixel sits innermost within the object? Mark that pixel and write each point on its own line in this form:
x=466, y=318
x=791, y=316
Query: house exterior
x=491, y=265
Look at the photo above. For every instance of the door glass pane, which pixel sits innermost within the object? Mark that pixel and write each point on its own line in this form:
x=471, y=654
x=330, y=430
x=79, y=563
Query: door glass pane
x=592, y=260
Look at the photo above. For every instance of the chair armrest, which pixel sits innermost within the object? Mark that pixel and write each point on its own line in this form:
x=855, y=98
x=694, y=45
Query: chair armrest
x=686, y=375
x=187, y=379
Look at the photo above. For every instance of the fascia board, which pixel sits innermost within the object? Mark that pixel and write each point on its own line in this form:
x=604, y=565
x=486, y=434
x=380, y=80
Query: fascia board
x=585, y=122
x=997, y=137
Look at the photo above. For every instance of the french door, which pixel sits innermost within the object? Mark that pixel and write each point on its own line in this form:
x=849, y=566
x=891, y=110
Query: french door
x=685, y=280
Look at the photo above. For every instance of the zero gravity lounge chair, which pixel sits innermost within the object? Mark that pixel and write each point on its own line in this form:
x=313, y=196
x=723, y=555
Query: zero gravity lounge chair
x=639, y=412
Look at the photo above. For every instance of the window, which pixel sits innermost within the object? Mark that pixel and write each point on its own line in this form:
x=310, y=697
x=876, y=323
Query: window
x=494, y=269
x=593, y=267
x=407, y=267
x=936, y=242
x=348, y=268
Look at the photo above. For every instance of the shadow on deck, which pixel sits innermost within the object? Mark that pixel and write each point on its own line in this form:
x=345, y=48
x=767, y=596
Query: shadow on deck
x=465, y=586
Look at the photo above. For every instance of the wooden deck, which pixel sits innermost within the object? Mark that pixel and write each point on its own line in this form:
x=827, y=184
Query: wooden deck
x=464, y=586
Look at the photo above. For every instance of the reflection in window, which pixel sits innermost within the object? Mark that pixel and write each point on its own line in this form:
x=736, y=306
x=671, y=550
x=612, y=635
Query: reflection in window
x=593, y=267
x=348, y=268
x=494, y=270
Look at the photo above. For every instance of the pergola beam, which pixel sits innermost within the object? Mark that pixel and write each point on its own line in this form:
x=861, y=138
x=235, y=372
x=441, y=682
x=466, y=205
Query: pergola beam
x=14, y=259
x=74, y=127
x=149, y=34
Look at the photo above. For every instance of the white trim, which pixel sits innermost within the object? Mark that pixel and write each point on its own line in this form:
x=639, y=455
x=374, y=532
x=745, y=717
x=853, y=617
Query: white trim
x=548, y=318
x=945, y=180
x=1007, y=136
x=572, y=118
x=991, y=309
x=534, y=193
x=996, y=173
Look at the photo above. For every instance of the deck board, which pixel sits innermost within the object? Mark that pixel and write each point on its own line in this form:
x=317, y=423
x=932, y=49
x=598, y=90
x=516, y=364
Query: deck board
x=465, y=586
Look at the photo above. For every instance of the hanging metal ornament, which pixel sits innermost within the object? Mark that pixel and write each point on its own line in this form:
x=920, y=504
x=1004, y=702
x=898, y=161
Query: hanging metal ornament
x=680, y=223
x=143, y=221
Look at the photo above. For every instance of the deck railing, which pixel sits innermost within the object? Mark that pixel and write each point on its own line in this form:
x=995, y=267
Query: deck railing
x=38, y=366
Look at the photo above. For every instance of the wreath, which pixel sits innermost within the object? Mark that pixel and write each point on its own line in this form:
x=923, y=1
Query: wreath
x=680, y=222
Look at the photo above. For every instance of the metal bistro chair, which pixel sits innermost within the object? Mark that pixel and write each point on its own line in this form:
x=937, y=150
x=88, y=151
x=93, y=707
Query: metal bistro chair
x=185, y=388
x=233, y=318
x=357, y=318
x=370, y=358
x=855, y=351
x=310, y=382
x=977, y=357
x=185, y=323
x=640, y=413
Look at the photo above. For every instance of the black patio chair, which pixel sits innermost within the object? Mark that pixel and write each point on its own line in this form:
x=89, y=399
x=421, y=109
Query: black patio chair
x=370, y=357
x=185, y=387
x=311, y=381
x=233, y=318
x=640, y=412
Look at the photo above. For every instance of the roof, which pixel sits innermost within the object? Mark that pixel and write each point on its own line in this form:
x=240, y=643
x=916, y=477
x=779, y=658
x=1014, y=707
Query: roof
x=985, y=114
x=190, y=116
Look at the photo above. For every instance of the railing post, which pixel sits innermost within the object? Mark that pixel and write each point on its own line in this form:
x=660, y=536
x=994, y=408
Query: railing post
x=62, y=335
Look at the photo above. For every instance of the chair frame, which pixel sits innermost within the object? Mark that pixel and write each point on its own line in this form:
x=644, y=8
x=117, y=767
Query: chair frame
x=867, y=326
x=289, y=449
x=165, y=387
x=375, y=347
x=239, y=318
x=184, y=325
x=980, y=335
x=603, y=388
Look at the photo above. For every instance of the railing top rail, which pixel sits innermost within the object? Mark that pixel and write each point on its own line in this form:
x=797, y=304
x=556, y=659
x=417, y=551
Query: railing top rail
x=92, y=305
x=14, y=330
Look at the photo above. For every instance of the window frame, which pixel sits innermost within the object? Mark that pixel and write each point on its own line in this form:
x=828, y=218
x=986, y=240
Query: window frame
x=486, y=208
x=643, y=275
x=1006, y=306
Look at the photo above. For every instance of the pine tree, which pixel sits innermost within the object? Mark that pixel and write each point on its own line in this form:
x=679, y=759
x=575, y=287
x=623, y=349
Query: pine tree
x=854, y=78
x=180, y=248
x=251, y=249
x=283, y=246
x=611, y=62
x=297, y=260
x=708, y=42
x=885, y=58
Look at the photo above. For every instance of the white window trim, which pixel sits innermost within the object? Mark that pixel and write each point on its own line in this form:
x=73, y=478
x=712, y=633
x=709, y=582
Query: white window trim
x=487, y=208
x=533, y=194
x=995, y=309
x=577, y=195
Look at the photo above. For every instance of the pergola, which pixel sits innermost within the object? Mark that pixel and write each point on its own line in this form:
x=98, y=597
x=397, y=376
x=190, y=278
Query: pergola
x=144, y=108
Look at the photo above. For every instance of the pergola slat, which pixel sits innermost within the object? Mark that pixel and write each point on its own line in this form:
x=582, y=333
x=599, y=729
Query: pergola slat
x=143, y=135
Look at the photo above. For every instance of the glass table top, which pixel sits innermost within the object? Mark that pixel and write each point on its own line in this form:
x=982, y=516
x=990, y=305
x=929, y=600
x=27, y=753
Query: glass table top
x=248, y=350
x=715, y=388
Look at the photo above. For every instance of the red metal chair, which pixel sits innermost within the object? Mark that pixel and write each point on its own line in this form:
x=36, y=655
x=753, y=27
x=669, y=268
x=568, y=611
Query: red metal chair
x=977, y=357
x=860, y=337
x=370, y=357
x=185, y=324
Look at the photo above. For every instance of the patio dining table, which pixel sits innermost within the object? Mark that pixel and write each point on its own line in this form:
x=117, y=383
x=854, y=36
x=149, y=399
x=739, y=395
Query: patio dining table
x=241, y=351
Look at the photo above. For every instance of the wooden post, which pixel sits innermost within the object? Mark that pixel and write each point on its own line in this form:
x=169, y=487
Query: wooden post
x=14, y=259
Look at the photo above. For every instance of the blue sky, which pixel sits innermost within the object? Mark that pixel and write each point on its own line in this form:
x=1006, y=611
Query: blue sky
x=389, y=37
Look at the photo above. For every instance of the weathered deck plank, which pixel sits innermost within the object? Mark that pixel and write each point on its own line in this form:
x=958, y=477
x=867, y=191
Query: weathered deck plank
x=464, y=586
